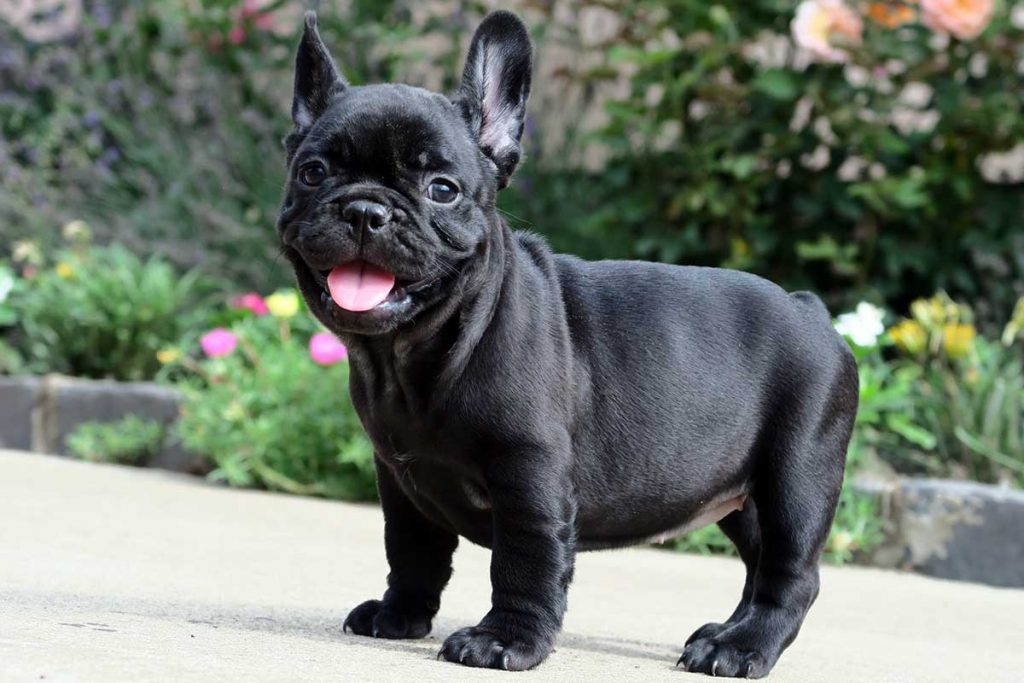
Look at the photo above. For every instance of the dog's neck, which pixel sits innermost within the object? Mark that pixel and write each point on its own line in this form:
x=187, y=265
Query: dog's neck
x=431, y=353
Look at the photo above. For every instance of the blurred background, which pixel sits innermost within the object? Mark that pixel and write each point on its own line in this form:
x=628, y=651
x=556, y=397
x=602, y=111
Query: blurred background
x=872, y=152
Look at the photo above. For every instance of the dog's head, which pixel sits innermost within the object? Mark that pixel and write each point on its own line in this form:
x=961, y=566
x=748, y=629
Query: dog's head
x=391, y=189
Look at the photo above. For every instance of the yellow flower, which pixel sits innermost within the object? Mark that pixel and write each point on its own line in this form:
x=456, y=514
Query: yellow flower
x=842, y=541
x=233, y=412
x=27, y=251
x=740, y=247
x=283, y=304
x=169, y=355
x=65, y=270
x=1016, y=324
x=931, y=313
x=910, y=336
x=957, y=339
x=76, y=231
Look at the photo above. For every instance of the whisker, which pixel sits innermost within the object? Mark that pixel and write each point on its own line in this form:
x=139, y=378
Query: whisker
x=273, y=268
x=514, y=217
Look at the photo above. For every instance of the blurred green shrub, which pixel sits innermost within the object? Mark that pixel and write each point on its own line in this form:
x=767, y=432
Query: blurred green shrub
x=939, y=399
x=100, y=312
x=723, y=145
x=161, y=125
x=968, y=393
x=129, y=441
x=10, y=359
x=865, y=179
x=268, y=403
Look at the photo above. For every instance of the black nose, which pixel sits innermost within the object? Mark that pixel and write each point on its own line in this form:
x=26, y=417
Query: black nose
x=365, y=215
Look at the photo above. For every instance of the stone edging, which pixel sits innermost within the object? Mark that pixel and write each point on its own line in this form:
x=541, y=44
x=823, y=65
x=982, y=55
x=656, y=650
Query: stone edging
x=952, y=529
x=38, y=413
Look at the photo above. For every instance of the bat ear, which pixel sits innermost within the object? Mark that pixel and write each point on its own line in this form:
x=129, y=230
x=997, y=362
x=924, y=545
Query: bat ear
x=317, y=81
x=494, y=89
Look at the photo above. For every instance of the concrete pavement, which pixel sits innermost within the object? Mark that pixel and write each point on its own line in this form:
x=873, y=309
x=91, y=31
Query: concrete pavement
x=115, y=574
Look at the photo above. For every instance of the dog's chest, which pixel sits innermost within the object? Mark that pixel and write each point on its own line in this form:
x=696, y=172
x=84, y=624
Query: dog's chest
x=452, y=494
x=429, y=452
x=438, y=469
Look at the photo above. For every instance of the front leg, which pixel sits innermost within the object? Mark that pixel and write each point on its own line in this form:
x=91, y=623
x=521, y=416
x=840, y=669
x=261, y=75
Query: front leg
x=420, y=557
x=533, y=549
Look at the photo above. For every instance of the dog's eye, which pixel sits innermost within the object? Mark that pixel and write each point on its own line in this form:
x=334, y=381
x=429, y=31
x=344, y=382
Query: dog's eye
x=313, y=173
x=442, y=191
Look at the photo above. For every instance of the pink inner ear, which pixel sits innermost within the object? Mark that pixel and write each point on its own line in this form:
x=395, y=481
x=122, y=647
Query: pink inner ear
x=498, y=116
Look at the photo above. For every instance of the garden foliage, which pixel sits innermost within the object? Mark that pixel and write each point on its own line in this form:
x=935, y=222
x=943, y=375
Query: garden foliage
x=128, y=441
x=884, y=168
x=267, y=401
x=160, y=123
x=887, y=172
x=938, y=398
x=98, y=312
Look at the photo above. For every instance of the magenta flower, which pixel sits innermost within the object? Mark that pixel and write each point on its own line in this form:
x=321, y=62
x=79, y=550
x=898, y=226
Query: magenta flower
x=325, y=349
x=251, y=301
x=218, y=342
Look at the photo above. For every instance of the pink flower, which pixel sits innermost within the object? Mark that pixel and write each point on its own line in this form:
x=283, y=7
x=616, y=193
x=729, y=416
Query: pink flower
x=965, y=19
x=218, y=342
x=251, y=301
x=265, y=16
x=251, y=7
x=325, y=349
x=819, y=22
x=236, y=36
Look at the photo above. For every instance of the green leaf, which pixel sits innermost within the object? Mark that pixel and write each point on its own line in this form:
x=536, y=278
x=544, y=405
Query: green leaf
x=976, y=445
x=778, y=84
x=916, y=435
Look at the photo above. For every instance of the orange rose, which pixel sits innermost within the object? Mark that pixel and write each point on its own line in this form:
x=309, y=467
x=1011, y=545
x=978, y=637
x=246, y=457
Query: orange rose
x=965, y=19
x=890, y=15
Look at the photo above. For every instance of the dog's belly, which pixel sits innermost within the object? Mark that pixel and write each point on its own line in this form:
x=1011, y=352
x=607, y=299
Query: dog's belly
x=660, y=530
x=460, y=503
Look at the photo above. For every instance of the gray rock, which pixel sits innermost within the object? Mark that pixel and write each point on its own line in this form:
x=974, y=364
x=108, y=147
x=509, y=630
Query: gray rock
x=73, y=401
x=18, y=399
x=69, y=402
x=955, y=530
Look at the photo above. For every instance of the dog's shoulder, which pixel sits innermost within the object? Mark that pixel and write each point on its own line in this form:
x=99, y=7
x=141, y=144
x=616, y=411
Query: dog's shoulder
x=535, y=245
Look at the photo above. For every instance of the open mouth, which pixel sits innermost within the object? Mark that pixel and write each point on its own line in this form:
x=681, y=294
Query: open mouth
x=359, y=286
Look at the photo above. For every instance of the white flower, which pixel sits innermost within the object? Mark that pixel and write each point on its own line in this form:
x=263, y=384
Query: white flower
x=916, y=95
x=863, y=326
x=6, y=283
x=1003, y=167
x=818, y=22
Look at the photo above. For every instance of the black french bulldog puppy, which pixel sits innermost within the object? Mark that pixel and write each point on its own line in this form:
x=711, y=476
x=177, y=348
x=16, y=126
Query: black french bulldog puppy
x=538, y=404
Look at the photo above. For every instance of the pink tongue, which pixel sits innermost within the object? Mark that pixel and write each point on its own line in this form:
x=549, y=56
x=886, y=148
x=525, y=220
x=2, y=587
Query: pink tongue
x=359, y=286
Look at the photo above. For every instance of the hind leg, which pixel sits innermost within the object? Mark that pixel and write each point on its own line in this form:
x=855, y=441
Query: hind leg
x=796, y=491
x=743, y=530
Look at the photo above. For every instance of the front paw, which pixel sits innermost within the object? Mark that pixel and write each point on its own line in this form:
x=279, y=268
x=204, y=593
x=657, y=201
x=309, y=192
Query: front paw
x=718, y=656
x=489, y=648
x=381, y=620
